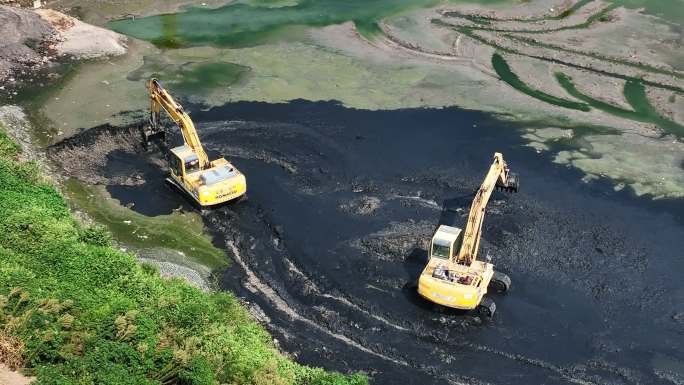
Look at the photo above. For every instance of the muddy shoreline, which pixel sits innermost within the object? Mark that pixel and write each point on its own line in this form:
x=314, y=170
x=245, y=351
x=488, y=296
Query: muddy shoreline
x=327, y=249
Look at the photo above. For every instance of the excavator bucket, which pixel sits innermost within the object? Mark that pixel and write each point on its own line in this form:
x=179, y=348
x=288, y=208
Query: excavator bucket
x=512, y=183
x=150, y=135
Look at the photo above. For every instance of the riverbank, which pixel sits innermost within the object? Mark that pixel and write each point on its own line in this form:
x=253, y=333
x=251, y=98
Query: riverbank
x=36, y=42
x=110, y=319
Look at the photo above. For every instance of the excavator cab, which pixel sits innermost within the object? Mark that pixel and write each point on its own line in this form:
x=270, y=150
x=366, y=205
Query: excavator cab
x=222, y=182
x=445, y=242
x=182, y=161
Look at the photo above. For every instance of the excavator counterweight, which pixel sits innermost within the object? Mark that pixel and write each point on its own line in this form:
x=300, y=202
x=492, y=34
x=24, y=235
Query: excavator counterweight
x=207, y=182
x=453, y=276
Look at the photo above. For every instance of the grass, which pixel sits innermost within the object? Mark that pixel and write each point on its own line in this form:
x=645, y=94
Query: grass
x=73, y=310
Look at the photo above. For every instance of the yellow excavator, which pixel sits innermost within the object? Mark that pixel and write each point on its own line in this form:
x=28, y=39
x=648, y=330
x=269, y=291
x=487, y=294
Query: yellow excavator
x=453, y=277
x=207, y=182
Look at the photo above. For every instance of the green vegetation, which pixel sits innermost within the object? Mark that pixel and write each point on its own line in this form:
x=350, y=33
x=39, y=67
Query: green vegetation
x=73, y=310
x=635, y=94
x=241, y=24
x=506, y=74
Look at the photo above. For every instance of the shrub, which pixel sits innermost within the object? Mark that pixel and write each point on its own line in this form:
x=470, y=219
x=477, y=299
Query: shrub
x=96, y=235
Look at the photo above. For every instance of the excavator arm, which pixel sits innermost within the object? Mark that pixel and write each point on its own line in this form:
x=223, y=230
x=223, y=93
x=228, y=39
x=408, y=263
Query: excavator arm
x=161, y=99
x=498, y=176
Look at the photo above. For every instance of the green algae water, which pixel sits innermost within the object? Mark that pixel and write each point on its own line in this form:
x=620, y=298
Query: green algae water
x=248, y=24
x=635, y=94
x=251, y=23
x=506, y=74
x=181, y=232
x=192, y=77
x=670, y=10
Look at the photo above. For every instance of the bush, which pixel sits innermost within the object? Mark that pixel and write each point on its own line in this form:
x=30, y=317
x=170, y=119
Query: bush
x=96, y=235
x=73, y=310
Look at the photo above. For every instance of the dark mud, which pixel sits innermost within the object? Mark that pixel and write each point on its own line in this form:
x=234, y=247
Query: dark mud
x=342, y=203
x=115, y=157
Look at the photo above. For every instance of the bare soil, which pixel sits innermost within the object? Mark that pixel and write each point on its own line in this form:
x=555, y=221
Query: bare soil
x=11, y=377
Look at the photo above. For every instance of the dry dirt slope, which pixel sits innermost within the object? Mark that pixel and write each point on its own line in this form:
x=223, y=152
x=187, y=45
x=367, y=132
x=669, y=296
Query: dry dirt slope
x=10, y=377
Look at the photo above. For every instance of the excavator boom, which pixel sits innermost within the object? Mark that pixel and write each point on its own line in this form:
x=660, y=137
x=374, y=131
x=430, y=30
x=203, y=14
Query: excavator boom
x=160, y=98
x=498, y=176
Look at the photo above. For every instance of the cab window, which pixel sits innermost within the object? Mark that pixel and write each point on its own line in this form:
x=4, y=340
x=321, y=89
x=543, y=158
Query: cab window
x=175, y=164
x=192, y=166
x=440, y=251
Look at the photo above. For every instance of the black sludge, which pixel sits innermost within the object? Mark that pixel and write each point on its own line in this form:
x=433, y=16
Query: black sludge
x=342, y=203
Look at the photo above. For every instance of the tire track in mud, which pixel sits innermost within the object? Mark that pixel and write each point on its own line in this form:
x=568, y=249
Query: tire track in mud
x=343, y=300
x=259, y=286
x=254, y=284
x=324, y=254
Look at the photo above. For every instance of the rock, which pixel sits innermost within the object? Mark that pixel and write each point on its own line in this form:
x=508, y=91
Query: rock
x=678, y=317
x=81, y=40
x=365, y=205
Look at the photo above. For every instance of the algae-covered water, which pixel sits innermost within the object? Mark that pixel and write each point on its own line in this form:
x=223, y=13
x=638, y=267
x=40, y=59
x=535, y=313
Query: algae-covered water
x=250, y=23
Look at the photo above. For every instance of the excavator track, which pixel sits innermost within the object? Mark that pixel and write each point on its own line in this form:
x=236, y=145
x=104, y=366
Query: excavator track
x=500, y=282
x=486, y=308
